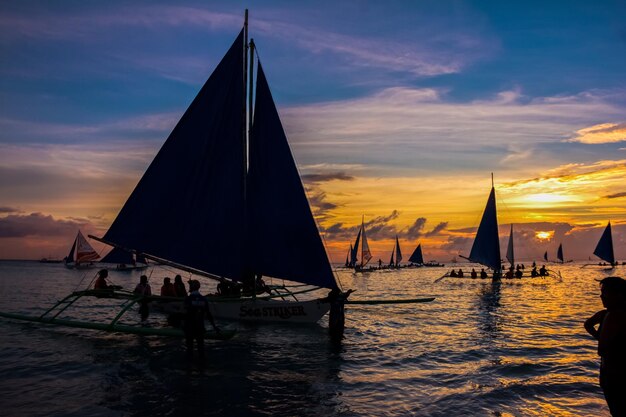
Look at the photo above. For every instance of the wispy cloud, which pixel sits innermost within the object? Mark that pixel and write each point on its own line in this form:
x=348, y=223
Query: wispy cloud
x=72, y=25
x=601, y=133
x=39, y=224
x=416, y=229
x=411, y=127
x=6, y=209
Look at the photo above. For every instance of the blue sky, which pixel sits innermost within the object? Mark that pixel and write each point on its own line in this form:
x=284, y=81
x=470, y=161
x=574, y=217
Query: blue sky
x=428, y=91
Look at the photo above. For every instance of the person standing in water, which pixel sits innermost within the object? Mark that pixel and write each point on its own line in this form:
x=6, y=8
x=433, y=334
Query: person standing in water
x=196, y=310
x=611, y=337
x=143, y=289
x=336, y=315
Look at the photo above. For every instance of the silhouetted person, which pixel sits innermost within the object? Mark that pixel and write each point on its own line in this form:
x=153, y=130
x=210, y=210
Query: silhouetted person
x=473, y=274
x=179, y=287
x=196, y=310
x=453, y=273
x=143, y=289
x=167, y=289
x=611, y=336
x=543, y=271
x=460, y=273
x=483, y=273
x=101, y=282
x=336, y=316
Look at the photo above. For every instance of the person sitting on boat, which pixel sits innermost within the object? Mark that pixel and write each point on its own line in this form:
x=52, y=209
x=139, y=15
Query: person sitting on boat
x=518, y=272
x=179, y=287
x=167, y=289
x=143, y=289
x=473, y=274
x=460, y=273
x=543, y=271
x=196, y=309
x=260, y=285
x=533, y=272
x=101, y=282
x=483, y=273
x=223, y=287
x=453, y=273
x=509, y=273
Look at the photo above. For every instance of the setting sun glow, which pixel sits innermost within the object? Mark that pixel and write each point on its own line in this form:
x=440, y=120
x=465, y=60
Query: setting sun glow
x=544, y=235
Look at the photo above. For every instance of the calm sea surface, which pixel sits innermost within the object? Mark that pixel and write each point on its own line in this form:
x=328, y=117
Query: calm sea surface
x=480, y=349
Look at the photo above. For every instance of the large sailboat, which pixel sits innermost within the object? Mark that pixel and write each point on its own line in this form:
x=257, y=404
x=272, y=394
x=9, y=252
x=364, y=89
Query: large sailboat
x=82, y=255
x=223, y=199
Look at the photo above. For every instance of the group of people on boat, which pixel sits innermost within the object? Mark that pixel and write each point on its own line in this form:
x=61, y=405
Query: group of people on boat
x=512, y=272
x=253, y=284
x=176, y=289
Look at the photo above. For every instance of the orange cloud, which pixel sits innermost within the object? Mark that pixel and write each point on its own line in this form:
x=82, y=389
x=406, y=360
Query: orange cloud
x=602, y=133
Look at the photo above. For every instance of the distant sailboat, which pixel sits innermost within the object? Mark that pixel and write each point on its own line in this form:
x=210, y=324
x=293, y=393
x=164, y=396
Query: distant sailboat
x=416, y=257
x=82, y=255
x=124, y=260
x=510, y=252
x=398, y=252
x=545, y=256
x=486, y=247
x=391, y=261
x=604, y=249
x=366, y=254
x=559, y=254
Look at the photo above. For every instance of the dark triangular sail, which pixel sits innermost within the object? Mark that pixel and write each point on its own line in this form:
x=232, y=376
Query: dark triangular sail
x=486, y=247
x=118, y=256
x=604, y=249
x=189, y=205
x=398, y=251
x=366, y=254
x=286, y=240
x=510, y=252
x=559, y=253
x=417, y=257
x=70, y=256
x=355, y=250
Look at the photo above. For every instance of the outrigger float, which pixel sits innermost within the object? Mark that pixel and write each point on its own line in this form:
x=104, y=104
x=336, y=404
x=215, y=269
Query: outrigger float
x=53, y=316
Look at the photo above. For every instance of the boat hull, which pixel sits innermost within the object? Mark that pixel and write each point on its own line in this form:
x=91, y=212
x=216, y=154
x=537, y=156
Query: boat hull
x=267, y=311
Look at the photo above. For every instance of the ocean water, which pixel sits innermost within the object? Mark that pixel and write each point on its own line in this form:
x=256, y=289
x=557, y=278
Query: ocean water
x=480, y=349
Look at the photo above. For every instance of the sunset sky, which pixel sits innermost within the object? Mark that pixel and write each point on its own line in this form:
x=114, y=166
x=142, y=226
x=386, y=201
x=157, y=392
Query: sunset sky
x=396, y=111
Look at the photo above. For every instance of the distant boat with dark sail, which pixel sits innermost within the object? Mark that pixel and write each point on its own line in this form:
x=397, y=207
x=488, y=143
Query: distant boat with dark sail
x=486, y=247
x=361, y=253
x=82, y=255
x=396, y=255
x=417, y=259
x=124, y=260
x=559, y=255
x=604, y=248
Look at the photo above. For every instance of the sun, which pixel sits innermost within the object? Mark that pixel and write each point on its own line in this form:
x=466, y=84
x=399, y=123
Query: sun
x=544, y=235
